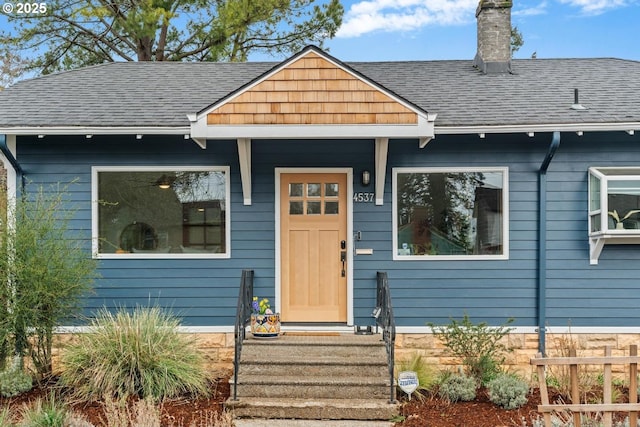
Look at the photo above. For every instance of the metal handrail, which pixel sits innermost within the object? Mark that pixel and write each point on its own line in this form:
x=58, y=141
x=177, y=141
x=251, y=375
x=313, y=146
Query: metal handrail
x=243, y=318
x=383, y=314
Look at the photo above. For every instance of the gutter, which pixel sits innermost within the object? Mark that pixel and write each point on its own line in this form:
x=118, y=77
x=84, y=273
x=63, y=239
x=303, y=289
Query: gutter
x=14, y=163
x=542, y=241
x=539, y=128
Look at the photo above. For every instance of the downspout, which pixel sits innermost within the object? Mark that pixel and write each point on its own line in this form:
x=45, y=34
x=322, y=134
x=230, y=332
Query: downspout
x=14, y=163
x=542, y=242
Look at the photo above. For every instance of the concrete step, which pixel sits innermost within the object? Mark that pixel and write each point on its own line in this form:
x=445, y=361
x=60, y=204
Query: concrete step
x=315, y=366
x=313, y=409
x=314, y=387
x=261, y=422
x=291, y=350
x=341, y=377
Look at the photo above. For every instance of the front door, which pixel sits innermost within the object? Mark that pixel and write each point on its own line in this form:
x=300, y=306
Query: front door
x=313, y=227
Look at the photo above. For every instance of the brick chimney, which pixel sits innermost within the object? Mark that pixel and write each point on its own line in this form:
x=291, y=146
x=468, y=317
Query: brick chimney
x=494, y=36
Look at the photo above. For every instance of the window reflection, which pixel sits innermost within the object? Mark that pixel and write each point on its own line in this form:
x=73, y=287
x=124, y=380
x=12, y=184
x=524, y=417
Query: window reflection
x=313, y=208
x=162, y=211
x=331, y=190
x=331, y=208
x=295, y=190
x=313, y=190
x=450, y=213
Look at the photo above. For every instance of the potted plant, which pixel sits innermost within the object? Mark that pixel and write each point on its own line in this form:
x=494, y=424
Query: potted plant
x=264, y=322
x=619, y=221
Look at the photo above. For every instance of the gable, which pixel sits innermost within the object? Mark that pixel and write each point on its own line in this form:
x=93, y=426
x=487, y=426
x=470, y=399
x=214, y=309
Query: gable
x=312, y=90
x=311, y=95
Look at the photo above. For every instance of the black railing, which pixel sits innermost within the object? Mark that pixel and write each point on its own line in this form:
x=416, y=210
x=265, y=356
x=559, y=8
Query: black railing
x=383, y=314
x=243, y=318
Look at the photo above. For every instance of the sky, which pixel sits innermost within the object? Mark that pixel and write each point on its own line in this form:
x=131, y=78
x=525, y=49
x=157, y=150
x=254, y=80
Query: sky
x=382, y=30
x=387, y=30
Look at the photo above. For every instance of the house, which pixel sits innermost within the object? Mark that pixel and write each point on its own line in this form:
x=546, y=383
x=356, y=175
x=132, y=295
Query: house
x=493, y=187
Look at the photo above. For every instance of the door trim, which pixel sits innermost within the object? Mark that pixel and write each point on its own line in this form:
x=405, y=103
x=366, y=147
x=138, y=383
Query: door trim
x=278, y=258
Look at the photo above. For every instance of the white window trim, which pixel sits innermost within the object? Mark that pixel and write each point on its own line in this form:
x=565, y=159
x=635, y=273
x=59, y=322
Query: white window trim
x=505, y=220
x=95, y=238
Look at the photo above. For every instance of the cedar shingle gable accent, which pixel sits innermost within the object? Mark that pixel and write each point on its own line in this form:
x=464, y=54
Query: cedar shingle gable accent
x=311, y=90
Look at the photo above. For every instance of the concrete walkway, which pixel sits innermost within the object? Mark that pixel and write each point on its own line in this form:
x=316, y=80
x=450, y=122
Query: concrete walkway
x=248, y=422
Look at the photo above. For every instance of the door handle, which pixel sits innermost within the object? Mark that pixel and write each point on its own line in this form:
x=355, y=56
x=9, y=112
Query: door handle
x=343, y=256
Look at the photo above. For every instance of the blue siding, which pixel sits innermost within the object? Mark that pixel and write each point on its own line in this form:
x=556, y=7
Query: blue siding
x=204, y=292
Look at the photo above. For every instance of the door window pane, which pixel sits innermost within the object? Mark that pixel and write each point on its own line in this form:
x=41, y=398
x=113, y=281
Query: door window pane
x=331, y=208
x=296, y=208
x=331, y=190
x=313, y=190
x=295, y=190
x=313, y=208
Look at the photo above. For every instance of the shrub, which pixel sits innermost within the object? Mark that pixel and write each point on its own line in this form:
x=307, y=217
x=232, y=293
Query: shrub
x=478, y=345
x=425, y=374
x=45, y=269
x=458, y=387
x=14, y=382
x=139, y=353
x=558, y=376
x=143, y=413
x=50, y=413
x=508, y=391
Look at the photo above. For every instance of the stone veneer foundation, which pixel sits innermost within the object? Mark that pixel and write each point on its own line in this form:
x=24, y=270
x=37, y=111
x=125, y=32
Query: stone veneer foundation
x=219, y=349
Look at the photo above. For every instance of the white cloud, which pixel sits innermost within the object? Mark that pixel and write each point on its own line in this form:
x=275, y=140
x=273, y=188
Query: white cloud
x=595, y=7
x=540, y=9
x=404, y=15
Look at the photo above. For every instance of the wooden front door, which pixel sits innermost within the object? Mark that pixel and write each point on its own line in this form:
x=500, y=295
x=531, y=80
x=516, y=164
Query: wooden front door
x=313, y=224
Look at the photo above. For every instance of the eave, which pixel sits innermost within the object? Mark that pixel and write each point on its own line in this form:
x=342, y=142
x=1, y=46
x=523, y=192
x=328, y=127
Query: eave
x=579, y=128
x=94, y=130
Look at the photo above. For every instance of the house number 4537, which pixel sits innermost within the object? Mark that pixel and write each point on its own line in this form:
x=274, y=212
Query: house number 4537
x=363, y=197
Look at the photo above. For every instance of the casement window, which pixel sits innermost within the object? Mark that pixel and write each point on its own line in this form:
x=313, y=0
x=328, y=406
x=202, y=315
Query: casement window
x=614, y=200
x=614, y=207
x=450, y=213
x=160, y=212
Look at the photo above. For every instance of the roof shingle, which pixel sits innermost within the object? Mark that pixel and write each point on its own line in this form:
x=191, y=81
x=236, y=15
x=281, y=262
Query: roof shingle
x=154, y=94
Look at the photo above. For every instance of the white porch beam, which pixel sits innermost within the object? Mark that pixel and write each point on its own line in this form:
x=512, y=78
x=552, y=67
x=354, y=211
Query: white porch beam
x=244, y=156
x=382, y=149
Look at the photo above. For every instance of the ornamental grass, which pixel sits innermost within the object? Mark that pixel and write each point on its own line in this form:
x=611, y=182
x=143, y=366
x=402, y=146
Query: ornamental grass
x=134, y=353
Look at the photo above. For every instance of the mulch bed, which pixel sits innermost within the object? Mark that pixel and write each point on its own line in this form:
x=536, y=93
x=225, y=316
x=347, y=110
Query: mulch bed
x=429, y=412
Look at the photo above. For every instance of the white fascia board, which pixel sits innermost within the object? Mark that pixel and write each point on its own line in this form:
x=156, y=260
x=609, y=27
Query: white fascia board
x=560, y=127
x=93, y=130
x=424, y=129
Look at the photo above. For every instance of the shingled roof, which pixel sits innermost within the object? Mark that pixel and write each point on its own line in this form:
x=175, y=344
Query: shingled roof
x=539, y=92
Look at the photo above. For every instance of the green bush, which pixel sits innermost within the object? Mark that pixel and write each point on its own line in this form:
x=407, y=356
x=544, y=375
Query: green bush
x=14, y=382
x=45, y=269
x=478, y=345
x=425, y=374
x=50, y=413
x=458, y=387
x=139, y=353
x=508, y=391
